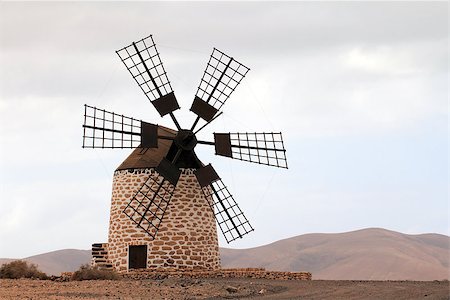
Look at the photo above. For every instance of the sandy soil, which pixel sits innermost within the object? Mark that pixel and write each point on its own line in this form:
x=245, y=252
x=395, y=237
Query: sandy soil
x=223, y=289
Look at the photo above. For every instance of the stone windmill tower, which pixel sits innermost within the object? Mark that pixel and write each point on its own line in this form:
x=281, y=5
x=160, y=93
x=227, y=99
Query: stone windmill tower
x=165, y=201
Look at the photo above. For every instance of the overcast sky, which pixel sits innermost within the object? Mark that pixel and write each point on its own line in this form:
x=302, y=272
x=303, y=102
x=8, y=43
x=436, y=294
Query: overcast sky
x=358, y=89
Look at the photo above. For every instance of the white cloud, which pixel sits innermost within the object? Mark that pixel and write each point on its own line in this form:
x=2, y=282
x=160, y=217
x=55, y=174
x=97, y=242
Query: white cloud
x=383, y=60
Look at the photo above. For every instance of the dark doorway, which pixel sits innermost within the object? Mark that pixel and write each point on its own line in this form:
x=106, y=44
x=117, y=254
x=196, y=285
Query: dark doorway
x=137, y=257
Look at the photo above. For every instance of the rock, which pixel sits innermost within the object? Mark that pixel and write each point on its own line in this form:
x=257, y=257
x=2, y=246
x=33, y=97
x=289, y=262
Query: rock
x=231, y=289
x=262, y=291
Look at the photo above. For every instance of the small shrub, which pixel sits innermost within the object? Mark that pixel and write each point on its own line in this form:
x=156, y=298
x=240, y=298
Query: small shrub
x=86, y=272
x=21, y=269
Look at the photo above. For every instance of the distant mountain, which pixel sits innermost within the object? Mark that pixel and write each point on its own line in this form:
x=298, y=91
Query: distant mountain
x=5, y=260
x=367, y=254
x=55, y=262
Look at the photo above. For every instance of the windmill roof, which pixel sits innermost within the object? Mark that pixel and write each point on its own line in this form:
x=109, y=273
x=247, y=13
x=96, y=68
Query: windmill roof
x=142, y=158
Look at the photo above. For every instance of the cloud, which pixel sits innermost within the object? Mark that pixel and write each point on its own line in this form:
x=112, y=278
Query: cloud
x=381, y=60
x=339, y=79
x=345, y=91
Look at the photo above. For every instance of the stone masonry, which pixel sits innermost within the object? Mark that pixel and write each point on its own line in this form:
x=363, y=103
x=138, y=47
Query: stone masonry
x=100, y=256
x=187, y=237
x=259, y=273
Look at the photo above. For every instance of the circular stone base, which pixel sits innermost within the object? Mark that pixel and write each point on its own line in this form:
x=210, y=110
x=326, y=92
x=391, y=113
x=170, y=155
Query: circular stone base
x=187, y=237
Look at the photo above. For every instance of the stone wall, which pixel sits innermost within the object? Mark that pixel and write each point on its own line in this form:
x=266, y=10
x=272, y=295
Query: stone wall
x=187, y=237
x=99, y=254
x=259, y=273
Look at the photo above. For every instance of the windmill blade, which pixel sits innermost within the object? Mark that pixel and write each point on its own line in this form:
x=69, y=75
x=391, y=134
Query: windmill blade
x=231, y=220
x=142, y=60
x=221, y=77
x=104, y=129
x=148, y=207
x=262, y=148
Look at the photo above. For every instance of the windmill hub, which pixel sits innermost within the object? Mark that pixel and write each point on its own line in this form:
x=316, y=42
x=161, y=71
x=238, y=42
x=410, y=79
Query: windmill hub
x=185, y=140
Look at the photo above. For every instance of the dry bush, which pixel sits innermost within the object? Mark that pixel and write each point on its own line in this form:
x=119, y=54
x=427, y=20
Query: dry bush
x=86, y=272
x=21, y=269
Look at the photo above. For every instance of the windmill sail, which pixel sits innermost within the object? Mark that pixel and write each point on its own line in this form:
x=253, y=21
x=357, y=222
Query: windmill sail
x=104, y=129
x=262, y=148
x=221, y=77
x=142, y=60
x=229, y=217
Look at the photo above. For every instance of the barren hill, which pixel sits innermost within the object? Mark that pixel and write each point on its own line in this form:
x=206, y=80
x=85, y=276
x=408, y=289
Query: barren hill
x=372, y=254
x=55, y=262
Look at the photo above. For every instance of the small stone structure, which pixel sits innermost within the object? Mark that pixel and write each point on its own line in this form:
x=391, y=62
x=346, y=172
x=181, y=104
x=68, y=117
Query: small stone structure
x=100, y=256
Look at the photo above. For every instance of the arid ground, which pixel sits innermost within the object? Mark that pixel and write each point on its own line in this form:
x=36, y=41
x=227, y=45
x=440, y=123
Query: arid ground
x=242, y=288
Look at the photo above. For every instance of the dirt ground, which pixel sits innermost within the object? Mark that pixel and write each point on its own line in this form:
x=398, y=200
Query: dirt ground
x=241, y=288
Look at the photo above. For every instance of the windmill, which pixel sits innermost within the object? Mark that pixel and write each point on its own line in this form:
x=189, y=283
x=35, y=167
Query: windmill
x=164, y=168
